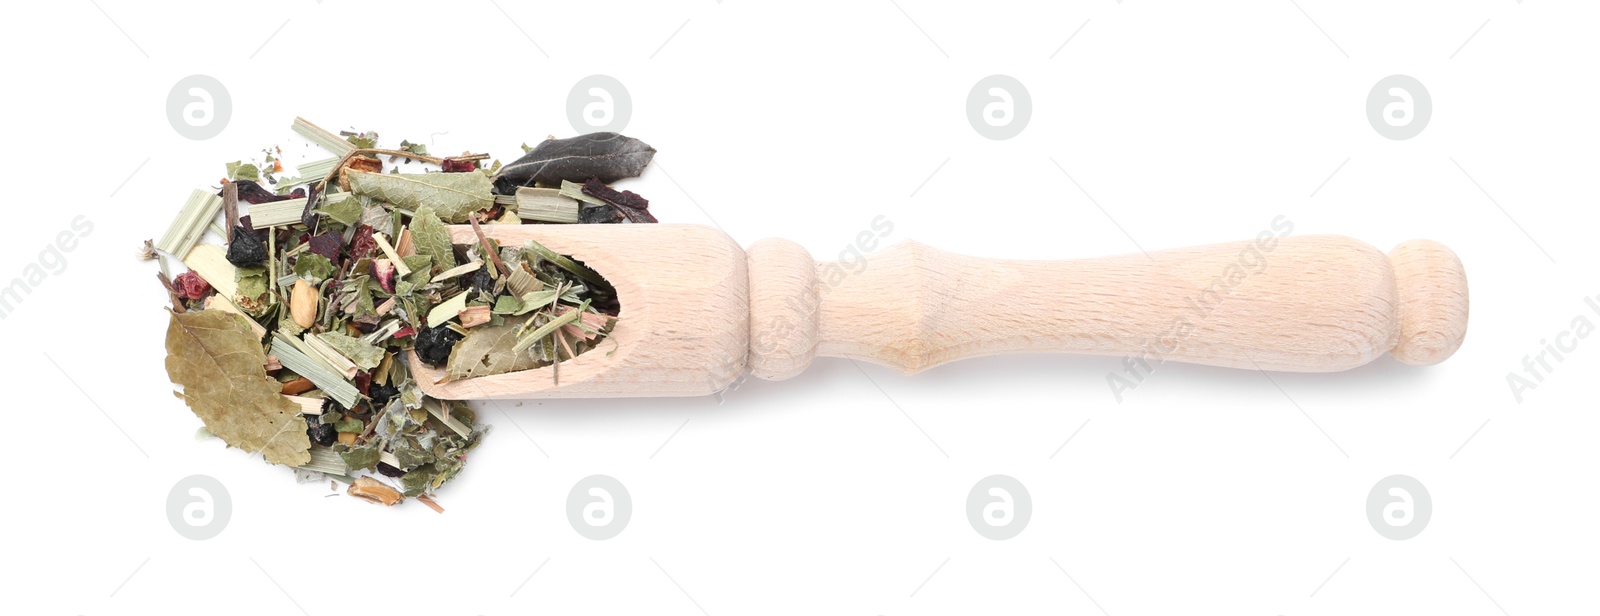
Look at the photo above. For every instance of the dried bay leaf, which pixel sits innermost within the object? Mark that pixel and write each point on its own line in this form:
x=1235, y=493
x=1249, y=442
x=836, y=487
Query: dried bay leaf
x=453, y=196
x=487, y=350
x=608, y=156
x=431, y=238
x=220, y=364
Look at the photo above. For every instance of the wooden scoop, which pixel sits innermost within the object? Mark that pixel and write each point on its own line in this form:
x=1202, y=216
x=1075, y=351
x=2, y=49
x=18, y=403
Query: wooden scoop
x=697, y=311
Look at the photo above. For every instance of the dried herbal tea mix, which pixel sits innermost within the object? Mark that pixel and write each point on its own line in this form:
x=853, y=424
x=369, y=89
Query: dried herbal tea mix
x=290, y=335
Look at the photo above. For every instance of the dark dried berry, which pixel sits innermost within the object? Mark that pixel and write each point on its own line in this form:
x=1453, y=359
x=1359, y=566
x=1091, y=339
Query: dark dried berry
x=389, y=471
x=320, y=433
x=246, y=250
x=482, y=281
x=191, y=286
x=434, y=344
x=382, y=394
x=592, y=214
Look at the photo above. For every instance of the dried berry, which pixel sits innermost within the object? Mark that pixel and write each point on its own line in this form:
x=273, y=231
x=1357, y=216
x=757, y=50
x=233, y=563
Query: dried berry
x=451, y=165
x=320, y=433
x=389, y=471
x=191, y=286
x=434, y=344
x=482, y=281
x=246, y=250
x=382, y=394
x=598, y=214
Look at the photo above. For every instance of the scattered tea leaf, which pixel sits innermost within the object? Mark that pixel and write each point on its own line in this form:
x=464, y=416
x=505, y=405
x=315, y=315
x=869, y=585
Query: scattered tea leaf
x=489, y=350
x=432, y=238
x=453, y=196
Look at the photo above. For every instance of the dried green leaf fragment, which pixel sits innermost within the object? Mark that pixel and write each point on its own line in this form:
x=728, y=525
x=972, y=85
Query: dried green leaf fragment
x=489, y=349
x=431, y=238
x=453, y=196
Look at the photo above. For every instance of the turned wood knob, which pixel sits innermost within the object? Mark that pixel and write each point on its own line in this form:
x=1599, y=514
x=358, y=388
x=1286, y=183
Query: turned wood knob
x=697, y=311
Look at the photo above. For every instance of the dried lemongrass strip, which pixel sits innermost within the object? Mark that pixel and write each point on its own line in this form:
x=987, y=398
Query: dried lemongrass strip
x=394, y=257
x=324, y=377
x=384, y=307
x=191, y=223
x=326, y=460
x=308, y=406
x=388, y=458
x=529, y=338
x=562, y=262
x=210, y=261
x=457, y=271
x=447, y=309
x=546, y=205
x=332, y=356
x=318, y=168
x=575, y=191
x=382, y=333
x=277, y=213
x=321, y=136
x=437, y=410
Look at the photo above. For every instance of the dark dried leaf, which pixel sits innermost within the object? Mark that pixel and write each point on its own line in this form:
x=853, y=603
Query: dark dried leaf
x=608, y=156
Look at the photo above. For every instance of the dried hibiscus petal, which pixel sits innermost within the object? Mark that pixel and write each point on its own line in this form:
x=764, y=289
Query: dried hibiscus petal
x=451, y=165
x=327, y=245
x=252, y=193
x=635, y=207
x=362, y=244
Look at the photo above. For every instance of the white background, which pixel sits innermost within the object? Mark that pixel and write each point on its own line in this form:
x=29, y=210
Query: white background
x=1204, y=490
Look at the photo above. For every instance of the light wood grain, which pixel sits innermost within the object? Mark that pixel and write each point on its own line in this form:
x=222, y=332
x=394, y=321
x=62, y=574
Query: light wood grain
x=697, y=312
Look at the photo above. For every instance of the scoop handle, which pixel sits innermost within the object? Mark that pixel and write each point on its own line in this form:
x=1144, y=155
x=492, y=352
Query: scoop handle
x=1285, y=303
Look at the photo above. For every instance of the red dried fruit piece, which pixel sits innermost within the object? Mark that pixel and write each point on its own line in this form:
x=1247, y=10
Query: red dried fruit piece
x=404, y=331
x=383, y=272
x=451, y=165
x=191, y=286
